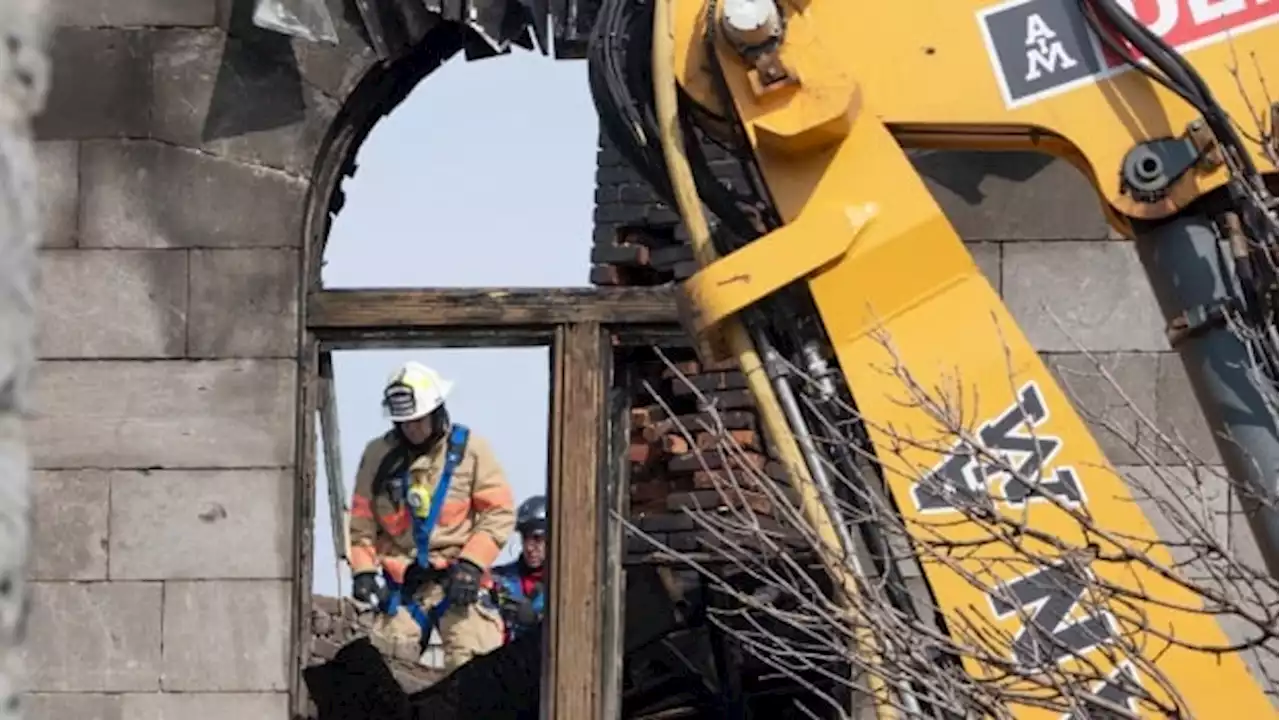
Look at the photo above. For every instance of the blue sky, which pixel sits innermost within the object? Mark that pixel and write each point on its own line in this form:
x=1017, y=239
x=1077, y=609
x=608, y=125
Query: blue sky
x=483, y=176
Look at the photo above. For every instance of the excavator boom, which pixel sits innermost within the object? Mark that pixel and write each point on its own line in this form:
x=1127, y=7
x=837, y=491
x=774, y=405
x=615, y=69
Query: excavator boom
x=843, y=265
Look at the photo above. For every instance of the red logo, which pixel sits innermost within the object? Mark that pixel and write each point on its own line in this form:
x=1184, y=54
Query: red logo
x=1188, y=24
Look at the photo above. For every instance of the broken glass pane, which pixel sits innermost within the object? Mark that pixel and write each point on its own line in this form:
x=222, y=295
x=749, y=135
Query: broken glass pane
x=306, y=19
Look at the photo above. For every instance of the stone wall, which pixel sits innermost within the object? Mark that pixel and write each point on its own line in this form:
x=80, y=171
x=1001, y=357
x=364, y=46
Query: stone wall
x=177, y=150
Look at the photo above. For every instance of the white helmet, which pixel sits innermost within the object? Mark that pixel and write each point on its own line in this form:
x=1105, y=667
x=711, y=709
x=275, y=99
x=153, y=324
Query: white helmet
x=413, y=391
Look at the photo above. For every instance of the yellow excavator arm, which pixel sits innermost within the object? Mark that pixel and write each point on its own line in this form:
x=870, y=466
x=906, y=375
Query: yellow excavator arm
x=844, y=267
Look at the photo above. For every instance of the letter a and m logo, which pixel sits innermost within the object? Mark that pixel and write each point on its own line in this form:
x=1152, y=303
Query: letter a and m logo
x=1039, y=48
x=1045, y=51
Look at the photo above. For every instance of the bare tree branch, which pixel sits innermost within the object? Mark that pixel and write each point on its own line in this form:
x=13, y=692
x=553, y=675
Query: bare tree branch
x=779, y=610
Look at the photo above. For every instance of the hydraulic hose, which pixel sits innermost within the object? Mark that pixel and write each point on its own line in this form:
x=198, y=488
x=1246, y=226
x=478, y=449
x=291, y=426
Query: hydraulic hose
x=1180, y=257
x=742, y=346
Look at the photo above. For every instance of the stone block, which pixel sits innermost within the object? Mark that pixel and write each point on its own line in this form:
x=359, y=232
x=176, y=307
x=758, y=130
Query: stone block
x=100, y=85
x=93, y=637
x=69, y=532
x=1180, y=416
x=244, y=303
x=239, y=97
x=227, y=635
x=133, y=13
x=987, y=256
x=1182, y=503
x=1012, y=195
x=201, y=524
x=1096, y=290
x=112, y=304
x=336, y=70
x=1112, y=414
x=206, y=706
x=58, y=165
x=72, y=706
x=121, y=414
x=144, y=194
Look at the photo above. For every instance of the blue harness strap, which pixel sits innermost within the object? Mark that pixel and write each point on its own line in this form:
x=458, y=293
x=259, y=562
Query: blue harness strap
x=423, y=527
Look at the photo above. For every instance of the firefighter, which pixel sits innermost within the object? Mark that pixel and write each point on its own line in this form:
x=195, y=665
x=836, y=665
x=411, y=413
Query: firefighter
x=521, y=584
x=429, y=484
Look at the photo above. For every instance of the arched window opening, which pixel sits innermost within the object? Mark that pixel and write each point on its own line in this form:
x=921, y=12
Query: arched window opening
x=483, y=176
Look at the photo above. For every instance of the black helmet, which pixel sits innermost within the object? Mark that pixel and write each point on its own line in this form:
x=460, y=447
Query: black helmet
x=531, y=518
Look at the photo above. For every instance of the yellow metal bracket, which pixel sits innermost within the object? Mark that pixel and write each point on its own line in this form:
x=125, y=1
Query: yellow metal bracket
x=766, y=265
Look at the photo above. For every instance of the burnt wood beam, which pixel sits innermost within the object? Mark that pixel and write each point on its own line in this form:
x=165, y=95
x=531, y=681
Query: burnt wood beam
x=350, y=314
x=573, y=677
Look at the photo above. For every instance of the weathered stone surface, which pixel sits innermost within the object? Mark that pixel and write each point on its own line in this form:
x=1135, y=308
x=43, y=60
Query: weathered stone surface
x=242, y=97
x=214, y=524
x=59, y=191
x=94, y=637
x=1096, y=290
x=1180, y=416
x=244, y=303
x=121, y=414
x=206, y=706
x=1180, y=501
x=100, y=87
x=129, y=13
x=987, y=256
x=1112, y=415
x=144, y=194
x=335, y=70
x=226, y=635
x=1012, y=196
x=73, y=706
x=69, y=540
x=110, y=304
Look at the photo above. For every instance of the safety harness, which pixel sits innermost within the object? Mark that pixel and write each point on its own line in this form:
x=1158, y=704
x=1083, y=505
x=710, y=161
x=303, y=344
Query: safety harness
x=424, y=523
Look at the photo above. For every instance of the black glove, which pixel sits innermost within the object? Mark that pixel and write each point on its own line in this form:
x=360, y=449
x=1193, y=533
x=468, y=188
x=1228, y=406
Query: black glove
x=464, y=583
x=364, y=587
x=525, y=614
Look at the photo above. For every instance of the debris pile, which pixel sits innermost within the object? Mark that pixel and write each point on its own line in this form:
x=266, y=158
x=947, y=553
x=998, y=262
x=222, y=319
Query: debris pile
x=359, y=684
x=337, y=621
x=697, y=443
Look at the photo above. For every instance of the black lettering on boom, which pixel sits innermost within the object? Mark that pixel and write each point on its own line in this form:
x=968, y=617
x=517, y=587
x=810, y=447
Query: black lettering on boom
x=1050, y=595
x=1117, y=690
x=956, y=481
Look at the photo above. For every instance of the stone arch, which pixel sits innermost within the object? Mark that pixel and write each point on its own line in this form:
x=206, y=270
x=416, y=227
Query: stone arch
x=377, y=93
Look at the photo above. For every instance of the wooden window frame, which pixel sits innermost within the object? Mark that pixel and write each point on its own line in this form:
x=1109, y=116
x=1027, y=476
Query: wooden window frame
x=584, y=328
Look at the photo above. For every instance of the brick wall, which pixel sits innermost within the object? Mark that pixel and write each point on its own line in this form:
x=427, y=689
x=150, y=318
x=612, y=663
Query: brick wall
x=677, y=420
x=175, y=164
